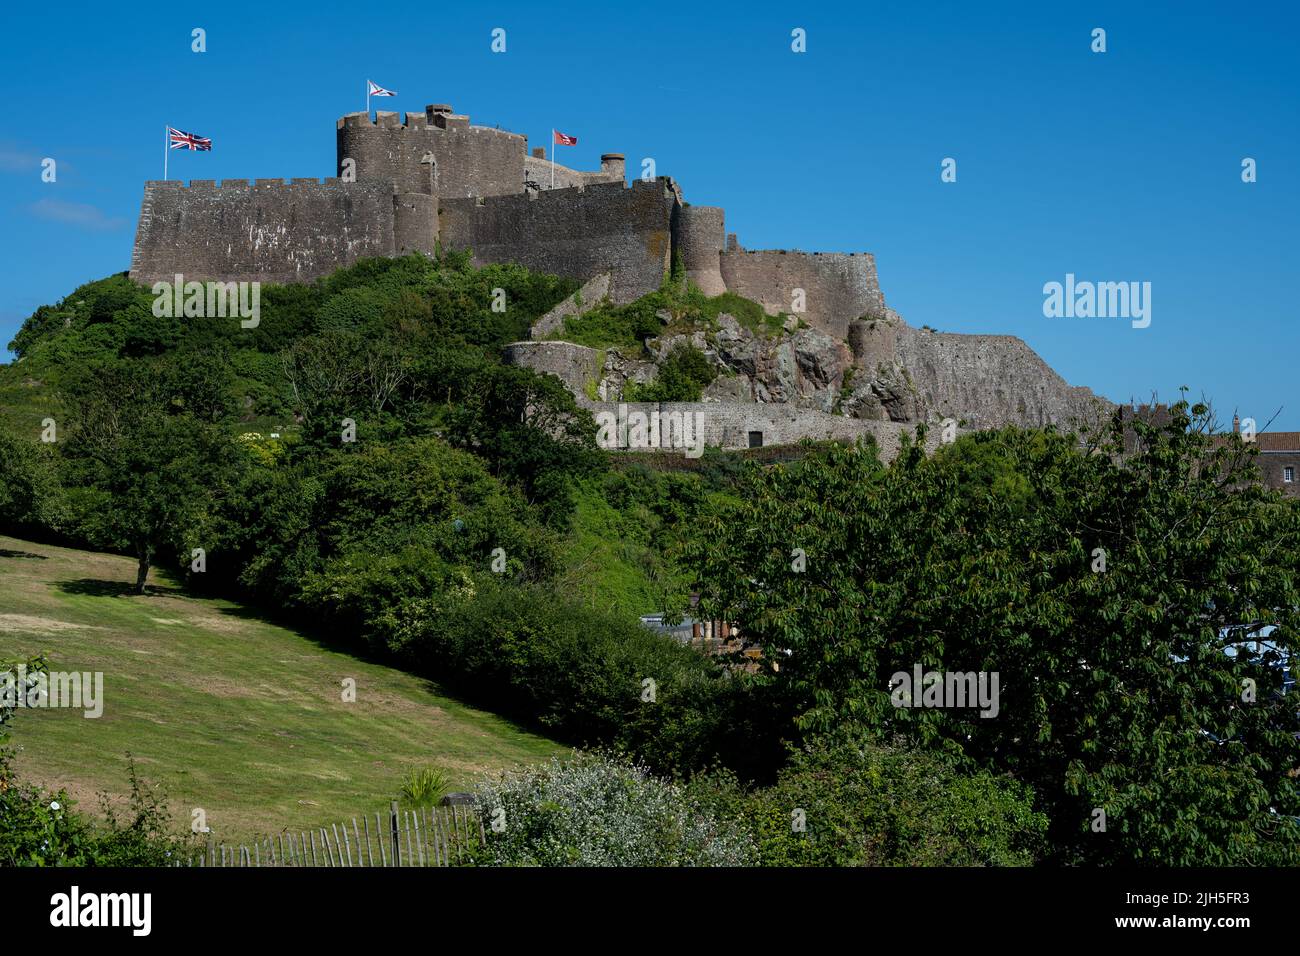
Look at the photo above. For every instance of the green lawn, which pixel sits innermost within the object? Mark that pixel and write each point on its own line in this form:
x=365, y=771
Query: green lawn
x=232, y=714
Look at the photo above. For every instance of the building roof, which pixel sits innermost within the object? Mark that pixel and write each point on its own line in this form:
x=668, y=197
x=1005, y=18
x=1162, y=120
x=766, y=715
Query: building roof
x=1278, y=441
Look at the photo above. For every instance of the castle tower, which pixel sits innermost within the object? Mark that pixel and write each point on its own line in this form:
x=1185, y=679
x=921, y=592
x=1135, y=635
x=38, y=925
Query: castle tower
x=415, y=223
x=612, y=166
x=436, y=152
x=699, y=236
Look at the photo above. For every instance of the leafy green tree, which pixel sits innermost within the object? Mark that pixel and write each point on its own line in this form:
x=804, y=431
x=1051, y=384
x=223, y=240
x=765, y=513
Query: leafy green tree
x=1103, y=599
x=31, y=495
x=531, y=432
x=160, y=468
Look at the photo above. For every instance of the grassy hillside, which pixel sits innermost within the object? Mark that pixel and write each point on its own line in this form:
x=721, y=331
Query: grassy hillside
x=232, y=714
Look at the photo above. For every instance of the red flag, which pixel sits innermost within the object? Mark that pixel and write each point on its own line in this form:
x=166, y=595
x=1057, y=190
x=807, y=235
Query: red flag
x=562, y=140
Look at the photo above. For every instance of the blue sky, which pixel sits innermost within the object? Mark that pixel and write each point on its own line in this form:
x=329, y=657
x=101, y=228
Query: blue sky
x=1122, y=166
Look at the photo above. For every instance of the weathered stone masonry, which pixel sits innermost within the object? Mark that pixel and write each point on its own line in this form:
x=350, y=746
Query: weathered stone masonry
x=408, y=183
x=577, y=232
x=269, y=231
x=433, y=179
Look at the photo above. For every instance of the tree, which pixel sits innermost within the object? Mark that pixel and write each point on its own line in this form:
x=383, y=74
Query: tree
x=158, y=467
x=1103, y=600
x=531, y=432
x=30, y=493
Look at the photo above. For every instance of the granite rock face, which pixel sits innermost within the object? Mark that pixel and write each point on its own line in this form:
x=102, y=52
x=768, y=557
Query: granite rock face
x=984, y=381
x=887, y=371
x=883, y=372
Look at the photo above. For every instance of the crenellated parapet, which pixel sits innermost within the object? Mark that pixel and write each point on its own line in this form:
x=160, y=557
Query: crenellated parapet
x=436, y=152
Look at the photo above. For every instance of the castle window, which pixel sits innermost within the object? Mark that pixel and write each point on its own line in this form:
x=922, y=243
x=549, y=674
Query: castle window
x=1288, y=474
x=755, y=439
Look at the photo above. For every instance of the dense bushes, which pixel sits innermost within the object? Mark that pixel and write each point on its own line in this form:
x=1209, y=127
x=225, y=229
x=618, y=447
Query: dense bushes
x=838, y=803
x=596, y=811
x=676, y=306
x=853, y=803
x=594, y=678
x=681, y=378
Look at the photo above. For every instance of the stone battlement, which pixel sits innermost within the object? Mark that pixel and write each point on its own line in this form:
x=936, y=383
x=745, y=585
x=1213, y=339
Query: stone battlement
x=271, y=230
x=435, y=116
x=578, y=231
x=482, y=191
x=239, y=183
x=409, y=182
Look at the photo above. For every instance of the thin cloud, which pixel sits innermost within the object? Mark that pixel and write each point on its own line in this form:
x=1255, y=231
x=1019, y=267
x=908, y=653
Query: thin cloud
x=19, y=161
x=78, y=214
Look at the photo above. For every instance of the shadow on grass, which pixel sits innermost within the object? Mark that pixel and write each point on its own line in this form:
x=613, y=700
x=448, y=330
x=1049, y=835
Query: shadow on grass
x=94, y=587
x=6, y=553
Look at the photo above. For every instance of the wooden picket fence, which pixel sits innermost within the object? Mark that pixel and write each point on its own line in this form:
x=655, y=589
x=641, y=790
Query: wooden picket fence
x=430, y=836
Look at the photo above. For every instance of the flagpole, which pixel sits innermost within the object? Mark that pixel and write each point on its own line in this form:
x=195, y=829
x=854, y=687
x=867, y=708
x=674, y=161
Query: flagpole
x=367, y=99
x=552, y=157
x=167, y=150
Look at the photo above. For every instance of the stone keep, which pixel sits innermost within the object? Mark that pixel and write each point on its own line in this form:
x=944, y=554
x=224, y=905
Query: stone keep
x=407, y=183
x=413, y=183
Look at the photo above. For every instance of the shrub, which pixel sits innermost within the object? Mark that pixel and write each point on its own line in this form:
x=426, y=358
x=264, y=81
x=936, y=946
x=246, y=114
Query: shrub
x=618, y=326
x=581, y=673
x=40, y=828
x=864, y=804
x=424, y=787
x=594, y=810
x=682, y=377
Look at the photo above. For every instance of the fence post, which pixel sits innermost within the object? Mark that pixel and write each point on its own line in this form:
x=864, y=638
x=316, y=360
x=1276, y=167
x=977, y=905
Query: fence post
x=397, y=840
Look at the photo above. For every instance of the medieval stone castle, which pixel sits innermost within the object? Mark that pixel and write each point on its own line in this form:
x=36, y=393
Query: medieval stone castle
x=845, y=366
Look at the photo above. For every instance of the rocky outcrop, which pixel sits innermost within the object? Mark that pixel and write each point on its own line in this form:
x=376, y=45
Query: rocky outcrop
x=804, y=369
x=987, y=381
x=886, y=371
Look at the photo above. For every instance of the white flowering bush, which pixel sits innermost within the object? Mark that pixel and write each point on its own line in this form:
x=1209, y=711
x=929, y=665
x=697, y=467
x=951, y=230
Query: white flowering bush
x=594, y=810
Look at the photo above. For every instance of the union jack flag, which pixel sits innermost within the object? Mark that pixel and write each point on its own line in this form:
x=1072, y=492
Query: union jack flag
x=374, y=89
x=183, y=140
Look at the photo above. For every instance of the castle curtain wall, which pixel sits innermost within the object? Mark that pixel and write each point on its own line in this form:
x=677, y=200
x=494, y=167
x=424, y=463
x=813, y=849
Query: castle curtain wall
x=837, y=287
x=576, y=232
x=268, y=231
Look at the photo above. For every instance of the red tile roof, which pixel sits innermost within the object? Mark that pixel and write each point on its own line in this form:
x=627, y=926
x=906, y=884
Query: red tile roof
x=1278, y=441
